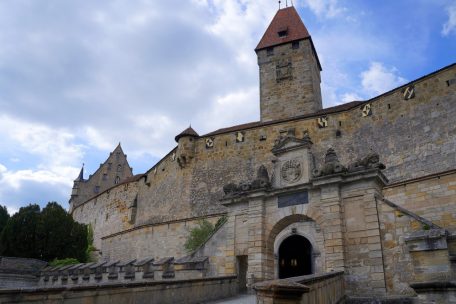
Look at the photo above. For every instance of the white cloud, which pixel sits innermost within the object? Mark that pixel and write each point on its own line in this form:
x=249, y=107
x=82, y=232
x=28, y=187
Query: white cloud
x=324, y=8
x=347, y=97
x=450, y=25
x=380, y=79
x=57, y=160
x=231, y=109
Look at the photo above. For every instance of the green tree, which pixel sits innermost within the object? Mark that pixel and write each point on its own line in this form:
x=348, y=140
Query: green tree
x=19, y=237
x=48, y=234
x=60, y=236
x=4, y=217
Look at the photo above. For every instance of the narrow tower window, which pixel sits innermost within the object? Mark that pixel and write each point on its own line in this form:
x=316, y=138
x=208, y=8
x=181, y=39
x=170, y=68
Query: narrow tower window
x=117, y=180
x=119, y=168
x=283, y=32
x=270, y=51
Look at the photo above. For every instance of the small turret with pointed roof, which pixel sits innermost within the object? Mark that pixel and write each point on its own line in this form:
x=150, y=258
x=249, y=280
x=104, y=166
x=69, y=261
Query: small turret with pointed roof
x=289, y=68
x=81, y=175
x=187, y=132
x=186, y=146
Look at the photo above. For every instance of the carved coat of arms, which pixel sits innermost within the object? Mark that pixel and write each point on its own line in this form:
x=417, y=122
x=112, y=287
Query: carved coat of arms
x=291, y=171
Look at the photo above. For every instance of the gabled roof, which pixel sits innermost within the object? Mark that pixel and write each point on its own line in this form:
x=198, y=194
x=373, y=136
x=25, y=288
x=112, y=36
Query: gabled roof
x=286, y=19
x=187, y=132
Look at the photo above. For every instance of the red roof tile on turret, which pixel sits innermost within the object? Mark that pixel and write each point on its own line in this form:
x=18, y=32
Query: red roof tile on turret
x=187, y=132
x=286, y=19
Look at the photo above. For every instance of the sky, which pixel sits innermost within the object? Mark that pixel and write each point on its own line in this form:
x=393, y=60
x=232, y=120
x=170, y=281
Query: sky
x=77, y=76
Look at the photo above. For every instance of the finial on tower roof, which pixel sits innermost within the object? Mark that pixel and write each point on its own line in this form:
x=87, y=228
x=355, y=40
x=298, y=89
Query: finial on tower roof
x=279, y=3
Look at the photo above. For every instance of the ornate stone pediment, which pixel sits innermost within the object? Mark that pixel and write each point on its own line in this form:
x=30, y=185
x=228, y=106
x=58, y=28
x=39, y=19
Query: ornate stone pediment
x=294, y=159
x=289, y=143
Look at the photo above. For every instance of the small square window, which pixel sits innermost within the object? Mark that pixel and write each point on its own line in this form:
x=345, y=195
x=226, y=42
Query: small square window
x=283, y=34
x=96, y=189
x=295, y=45
x=270, y=51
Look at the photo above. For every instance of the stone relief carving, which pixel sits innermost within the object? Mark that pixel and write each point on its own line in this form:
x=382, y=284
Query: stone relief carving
x=289, y=141
x=262, y=181
x=291, y=170
x=333, y=166
x=372, y=160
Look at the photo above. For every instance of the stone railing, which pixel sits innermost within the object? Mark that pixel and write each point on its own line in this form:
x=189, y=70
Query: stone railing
x=19, y=272
x=327, y=288
x=124, y=271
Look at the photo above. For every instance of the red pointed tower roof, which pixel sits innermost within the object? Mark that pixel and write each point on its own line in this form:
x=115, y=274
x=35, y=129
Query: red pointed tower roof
x=286, y=26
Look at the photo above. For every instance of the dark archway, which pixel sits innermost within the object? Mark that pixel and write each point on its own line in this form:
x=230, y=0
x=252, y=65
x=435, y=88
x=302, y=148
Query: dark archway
x=295, y=257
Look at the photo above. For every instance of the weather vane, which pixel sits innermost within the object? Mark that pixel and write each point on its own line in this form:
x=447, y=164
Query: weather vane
x=279, y=3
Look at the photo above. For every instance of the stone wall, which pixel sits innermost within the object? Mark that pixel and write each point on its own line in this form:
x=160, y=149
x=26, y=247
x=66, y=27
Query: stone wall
x=19, y=272
x=162, y=292
x=155, y=240
x=326, y=288
x=289, y=80
x=432, y=197
x=413, y=137
x=109, y=212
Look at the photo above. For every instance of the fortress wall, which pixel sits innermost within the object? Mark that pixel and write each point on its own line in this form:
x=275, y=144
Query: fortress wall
x=158, y=241
x=108, y=213
x=164, y=194
x=413, y=137
x=433, y=198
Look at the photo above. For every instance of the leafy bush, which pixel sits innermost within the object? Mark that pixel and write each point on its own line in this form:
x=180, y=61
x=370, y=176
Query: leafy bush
x=63, y=262
x=199, y=235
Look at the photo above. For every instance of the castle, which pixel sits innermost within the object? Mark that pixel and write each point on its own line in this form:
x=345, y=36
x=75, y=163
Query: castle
x=367, y=187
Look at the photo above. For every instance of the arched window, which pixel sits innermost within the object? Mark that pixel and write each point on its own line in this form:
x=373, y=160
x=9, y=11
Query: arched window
x=117, y=180
x=119, y=168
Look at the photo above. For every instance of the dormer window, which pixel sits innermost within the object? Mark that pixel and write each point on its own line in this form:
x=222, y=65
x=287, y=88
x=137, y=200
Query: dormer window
x=283, y=32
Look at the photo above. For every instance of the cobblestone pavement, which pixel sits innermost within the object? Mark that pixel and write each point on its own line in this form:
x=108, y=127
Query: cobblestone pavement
x=241, y=299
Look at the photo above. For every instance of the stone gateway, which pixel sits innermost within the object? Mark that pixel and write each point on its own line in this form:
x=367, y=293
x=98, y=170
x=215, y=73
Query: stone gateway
x=362, y=194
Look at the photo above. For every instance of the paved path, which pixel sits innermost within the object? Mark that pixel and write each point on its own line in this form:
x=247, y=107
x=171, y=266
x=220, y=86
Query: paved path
x=241, y=299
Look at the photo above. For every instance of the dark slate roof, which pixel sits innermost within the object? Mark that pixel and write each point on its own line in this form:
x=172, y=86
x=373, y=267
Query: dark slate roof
x=285, y=19
x=187, y=132
x=339, y=108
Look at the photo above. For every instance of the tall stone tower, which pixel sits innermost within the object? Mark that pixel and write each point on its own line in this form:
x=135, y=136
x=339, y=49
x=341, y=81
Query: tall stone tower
x=289, y=69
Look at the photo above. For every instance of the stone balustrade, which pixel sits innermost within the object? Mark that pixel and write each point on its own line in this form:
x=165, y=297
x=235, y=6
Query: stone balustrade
x=143, y=270
x=326, y=288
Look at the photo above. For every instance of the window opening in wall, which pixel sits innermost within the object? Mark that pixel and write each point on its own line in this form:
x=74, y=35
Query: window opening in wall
x=340, y=123
x=389, y=106
x=109, y=166
x=105, y=176
x=117, y=155
x=295, y=45
x=283, y=32
x=117, y=180
x=119, y=168
x=270, y=51
x=96, y=189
